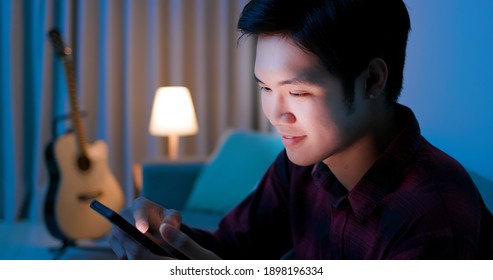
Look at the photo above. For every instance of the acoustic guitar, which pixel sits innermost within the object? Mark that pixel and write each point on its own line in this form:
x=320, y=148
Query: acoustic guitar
x=79, y=172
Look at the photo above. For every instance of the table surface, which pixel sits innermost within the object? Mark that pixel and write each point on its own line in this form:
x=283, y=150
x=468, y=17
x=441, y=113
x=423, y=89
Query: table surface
x=32, y=241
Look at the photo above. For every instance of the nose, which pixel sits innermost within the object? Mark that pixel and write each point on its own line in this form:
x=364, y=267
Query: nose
x=286, y=118
x=277, y=109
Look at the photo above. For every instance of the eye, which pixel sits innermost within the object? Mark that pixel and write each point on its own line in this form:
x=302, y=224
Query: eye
x=264, y=89
x=297, y=94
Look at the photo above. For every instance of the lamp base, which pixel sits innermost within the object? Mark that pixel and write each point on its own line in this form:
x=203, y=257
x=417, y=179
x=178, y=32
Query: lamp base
x=173, y=143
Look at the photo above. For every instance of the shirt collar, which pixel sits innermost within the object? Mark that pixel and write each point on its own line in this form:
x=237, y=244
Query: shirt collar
x=324, y=178
x=381, y=178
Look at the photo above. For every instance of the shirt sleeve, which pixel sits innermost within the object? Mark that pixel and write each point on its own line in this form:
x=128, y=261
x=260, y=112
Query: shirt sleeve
x=438, y=245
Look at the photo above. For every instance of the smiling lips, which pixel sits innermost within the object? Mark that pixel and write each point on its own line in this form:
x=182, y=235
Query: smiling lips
x=289, y=140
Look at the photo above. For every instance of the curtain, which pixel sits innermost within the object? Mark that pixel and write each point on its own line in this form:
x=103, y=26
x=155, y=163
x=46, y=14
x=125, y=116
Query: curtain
x=123, y=51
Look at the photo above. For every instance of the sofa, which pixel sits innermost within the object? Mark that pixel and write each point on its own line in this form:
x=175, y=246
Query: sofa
x=485, y=187
x=204, y=191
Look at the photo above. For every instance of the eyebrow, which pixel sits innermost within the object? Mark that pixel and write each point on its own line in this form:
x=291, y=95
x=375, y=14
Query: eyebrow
x=302, y=78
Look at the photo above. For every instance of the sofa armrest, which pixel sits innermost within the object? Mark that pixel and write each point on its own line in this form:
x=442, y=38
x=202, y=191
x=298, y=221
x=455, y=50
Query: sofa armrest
x=169, y=183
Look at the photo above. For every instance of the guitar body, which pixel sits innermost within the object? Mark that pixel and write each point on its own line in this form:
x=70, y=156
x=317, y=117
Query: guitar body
x=67, y=213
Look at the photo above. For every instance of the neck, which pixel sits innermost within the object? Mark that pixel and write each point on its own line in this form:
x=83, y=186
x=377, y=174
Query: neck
x=351, y=164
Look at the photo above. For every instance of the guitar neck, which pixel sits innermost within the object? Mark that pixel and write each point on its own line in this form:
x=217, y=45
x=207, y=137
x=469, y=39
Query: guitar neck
x=65, y=54
x=69, y=70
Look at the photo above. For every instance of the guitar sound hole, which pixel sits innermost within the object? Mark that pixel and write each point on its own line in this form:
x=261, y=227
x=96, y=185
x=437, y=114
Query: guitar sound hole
x=83, y=163
x=89, y=196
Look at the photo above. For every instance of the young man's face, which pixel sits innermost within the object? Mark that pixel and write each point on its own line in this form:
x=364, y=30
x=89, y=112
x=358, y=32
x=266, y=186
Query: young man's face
x=305, y=102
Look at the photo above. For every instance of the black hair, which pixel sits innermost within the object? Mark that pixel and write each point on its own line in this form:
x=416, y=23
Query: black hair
x=344, y=34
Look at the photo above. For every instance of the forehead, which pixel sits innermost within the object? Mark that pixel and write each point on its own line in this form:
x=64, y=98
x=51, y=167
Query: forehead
x=278, y=58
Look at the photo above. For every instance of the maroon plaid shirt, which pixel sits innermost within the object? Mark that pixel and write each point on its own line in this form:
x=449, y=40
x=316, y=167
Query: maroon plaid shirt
x=415, y=202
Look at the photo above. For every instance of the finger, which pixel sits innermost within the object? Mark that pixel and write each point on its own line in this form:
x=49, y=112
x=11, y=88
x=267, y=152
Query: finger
x=127, y=248
x=141, y=215
x=172, y=217
x=185, y=244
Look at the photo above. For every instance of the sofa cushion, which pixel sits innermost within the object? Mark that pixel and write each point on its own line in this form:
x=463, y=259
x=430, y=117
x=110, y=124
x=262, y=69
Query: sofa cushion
x=200, y=220
x=485, y=187
x=169, y=183
x=234, y=171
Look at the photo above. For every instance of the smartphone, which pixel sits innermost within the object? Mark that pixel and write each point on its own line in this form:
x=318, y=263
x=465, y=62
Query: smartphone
x=131, y=230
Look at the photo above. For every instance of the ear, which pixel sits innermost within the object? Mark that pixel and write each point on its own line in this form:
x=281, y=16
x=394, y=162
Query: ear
x=376, y=78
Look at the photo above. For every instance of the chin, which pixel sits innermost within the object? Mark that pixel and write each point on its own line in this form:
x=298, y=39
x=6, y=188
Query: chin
x=301, y=159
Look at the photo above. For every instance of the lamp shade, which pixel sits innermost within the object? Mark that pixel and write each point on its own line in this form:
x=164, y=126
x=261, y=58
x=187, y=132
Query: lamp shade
x=173, y=113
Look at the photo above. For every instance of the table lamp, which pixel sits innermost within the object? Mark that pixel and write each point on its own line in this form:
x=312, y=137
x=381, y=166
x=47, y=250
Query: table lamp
x=173, y=115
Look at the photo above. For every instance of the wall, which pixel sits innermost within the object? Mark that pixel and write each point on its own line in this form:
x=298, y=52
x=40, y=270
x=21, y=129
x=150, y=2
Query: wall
x=448, y=78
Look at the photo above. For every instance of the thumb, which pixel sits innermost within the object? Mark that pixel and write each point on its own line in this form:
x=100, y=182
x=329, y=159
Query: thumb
x=181, y=242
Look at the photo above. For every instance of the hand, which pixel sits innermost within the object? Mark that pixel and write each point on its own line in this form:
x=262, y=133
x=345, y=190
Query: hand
x=159, y=224
x=147, y=216
x=185, y=244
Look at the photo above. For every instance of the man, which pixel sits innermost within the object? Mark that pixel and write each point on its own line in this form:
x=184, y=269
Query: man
x=356, y=179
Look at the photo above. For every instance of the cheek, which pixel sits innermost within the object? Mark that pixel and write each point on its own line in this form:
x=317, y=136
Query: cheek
x=326, y=124
x=263, y=101
x=316, y=115
x=266, y=105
